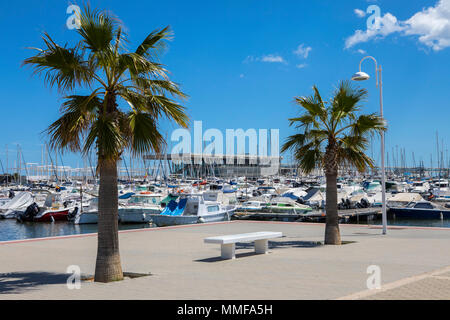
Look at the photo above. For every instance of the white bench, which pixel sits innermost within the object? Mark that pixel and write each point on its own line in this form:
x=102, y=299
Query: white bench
x=228, y=242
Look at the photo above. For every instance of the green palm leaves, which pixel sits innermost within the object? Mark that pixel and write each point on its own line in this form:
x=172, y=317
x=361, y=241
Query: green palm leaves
x=129, y=90
x=335, y=125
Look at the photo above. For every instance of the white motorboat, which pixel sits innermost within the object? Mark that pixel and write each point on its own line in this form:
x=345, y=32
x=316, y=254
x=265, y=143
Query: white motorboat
x=16, y=205
x=419, y=187
x=192, y=209
x=140, y=207
x=54, y=208
x=285, y=205
x=251, y=206
x=88, y=215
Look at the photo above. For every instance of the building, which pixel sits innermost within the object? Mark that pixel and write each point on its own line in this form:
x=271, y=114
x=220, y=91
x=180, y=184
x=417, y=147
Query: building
x=201, y=166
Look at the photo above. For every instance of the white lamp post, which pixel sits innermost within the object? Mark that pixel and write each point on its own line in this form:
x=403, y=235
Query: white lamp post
x=361, y=76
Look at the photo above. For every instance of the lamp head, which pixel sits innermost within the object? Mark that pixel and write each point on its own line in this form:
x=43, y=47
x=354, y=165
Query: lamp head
x=360, y=76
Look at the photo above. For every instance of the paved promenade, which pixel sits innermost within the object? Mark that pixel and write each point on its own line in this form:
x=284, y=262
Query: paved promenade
x=414, y=264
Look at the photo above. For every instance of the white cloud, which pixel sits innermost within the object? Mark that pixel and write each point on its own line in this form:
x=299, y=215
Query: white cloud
x=272, y=58
x=388, y=24
x=359, y=13
x=249, y=59
x=301, y=66
x=302, y=51
x=362, y=51
x=432, y=25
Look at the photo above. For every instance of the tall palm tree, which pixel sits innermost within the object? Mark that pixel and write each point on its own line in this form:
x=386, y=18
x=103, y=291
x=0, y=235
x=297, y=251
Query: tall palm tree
x=100, y=64
x=333, y=134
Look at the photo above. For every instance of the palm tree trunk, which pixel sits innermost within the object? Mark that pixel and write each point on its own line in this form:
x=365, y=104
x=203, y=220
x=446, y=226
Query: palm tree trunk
x=108, y=267
x=332, y=233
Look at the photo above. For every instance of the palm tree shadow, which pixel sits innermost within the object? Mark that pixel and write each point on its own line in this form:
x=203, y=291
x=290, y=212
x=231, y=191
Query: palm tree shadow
x=19, y=282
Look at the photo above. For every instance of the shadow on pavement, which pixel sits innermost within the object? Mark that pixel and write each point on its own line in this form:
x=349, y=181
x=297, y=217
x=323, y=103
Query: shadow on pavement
x=18, y=282
x=272, y=245
x=282, y=244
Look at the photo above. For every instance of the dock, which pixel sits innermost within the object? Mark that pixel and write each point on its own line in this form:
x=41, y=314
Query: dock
x=348, y=215
x=182, y=266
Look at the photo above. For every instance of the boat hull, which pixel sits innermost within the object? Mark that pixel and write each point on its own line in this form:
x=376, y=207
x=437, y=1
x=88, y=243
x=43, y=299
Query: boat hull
x=419, y=213
x=166, y=220
x=125, y=216
x=10, y=214
x=49, y=216
x=137, y=215
x=88, y=217
x=285, y=210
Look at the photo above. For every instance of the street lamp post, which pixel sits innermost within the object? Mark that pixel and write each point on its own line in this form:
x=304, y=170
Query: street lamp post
x=361, y=76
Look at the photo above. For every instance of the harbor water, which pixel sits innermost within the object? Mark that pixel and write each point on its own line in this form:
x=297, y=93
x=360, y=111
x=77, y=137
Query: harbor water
x=10, y=229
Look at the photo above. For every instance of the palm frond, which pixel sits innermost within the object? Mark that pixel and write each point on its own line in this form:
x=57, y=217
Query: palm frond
x=144, y=134
x=346, y=101
x=313, y=105
x=158, y=87
x=339, y=125
x=66, y=133
x=349, y=155
x=63, y=67
x=96, y=121
x=106, y=136
x=368, y=124
x=138, y=65
x=295, y=141
x=155, y=105
x=309, y=157
x=97, y=29
x=155, y=43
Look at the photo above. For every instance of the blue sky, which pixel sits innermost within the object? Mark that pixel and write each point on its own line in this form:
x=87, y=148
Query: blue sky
x=243, y=62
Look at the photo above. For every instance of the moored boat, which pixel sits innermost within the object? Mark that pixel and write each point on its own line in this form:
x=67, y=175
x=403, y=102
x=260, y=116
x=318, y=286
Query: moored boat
x=420, y=210
x=52, y=210
x=17, y=205
x=140, y=208
x=192, y=209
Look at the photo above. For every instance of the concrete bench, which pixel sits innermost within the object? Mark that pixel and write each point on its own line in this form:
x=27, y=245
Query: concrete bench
x=228, y=242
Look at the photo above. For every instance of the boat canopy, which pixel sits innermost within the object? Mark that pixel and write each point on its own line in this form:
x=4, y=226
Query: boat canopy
x=22, y=199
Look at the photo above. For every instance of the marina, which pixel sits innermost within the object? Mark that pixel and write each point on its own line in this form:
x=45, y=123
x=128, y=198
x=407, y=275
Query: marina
x=152, y=204
x=225, y=151
x=182, y=266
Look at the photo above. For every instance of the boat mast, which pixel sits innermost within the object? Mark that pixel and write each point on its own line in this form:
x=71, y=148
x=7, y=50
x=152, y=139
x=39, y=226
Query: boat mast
x=7, y=170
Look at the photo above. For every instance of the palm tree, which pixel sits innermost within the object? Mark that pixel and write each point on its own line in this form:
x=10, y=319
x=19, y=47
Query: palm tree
x=100, y=64
x=333, y=134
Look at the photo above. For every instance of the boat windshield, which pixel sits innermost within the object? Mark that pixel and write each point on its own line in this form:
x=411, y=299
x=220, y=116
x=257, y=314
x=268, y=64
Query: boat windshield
x=144, y=200
x=252, y=204
x=424, y=205
x=411, y=205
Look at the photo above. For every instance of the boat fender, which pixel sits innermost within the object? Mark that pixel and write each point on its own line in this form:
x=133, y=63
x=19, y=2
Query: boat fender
x=201, y=220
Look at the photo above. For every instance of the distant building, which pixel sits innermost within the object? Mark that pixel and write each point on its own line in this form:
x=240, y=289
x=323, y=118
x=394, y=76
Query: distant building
x=198, y=166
